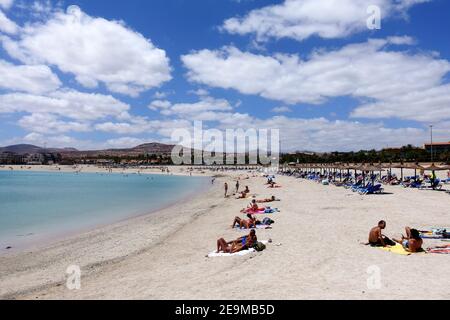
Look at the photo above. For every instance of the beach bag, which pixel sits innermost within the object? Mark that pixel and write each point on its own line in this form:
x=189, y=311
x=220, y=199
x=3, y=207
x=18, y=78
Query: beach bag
x=267, y=221
x=259, y=246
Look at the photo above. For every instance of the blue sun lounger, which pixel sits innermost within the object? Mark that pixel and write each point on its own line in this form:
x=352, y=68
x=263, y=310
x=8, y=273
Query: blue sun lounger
x=371, y=190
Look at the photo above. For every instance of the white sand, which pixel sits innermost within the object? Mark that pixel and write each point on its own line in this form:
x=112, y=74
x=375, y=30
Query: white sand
x=316, y=251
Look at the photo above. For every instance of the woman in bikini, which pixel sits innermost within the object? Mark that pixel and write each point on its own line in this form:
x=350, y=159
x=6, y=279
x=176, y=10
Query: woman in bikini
x=245, y=224
x=240, y=244
x=273, y=199
x=252, y=208
x=412, y=242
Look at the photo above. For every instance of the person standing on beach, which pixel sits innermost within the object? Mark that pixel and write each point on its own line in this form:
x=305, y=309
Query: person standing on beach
x=237, y=186
x=226, y=190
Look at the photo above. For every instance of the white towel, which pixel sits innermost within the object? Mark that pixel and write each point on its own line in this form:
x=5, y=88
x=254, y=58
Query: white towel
x=214, y=254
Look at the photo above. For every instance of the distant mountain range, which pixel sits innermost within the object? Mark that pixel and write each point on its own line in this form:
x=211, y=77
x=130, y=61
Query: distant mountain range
x=28, y=148
x=149, y=148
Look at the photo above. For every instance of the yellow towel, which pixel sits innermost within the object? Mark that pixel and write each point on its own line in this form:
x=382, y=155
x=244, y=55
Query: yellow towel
x=398, y=249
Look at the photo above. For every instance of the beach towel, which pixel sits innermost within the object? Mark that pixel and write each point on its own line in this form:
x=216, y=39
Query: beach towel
x=440, y=249
x=435, y=233
x=265, y=211
x=259, y=226
x=214, y=254
x=431, y=236
x=398, y=249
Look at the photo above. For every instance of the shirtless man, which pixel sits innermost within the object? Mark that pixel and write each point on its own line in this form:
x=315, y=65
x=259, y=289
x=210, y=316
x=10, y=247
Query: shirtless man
x=376, y=237
x=412, y=242
x=242, y=243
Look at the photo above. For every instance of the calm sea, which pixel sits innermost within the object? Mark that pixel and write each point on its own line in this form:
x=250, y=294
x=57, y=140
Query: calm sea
x=39, y=205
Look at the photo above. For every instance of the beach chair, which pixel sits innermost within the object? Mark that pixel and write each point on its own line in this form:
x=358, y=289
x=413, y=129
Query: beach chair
x=360, y=187
x=377, y=189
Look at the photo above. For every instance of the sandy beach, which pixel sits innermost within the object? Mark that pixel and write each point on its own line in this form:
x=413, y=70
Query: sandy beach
x=316, y=251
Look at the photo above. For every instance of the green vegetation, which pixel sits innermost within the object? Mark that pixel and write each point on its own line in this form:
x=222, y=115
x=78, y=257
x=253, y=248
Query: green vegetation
x=405, y=154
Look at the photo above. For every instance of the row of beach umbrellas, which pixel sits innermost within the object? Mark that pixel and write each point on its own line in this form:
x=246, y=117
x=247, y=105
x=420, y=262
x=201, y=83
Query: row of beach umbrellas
x=379, y=167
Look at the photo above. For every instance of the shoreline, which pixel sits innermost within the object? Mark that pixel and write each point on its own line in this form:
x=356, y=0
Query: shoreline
x=315, y=254
x=175, y=170
x=42, y=241
x=55, y=250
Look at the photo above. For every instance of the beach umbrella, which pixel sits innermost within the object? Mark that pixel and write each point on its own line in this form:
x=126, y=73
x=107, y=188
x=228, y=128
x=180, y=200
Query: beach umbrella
x=416, y=167
x=372, y=168
x=400, y=166
x=433, y=168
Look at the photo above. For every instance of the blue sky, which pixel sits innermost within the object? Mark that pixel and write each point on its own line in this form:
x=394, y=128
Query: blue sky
x=100, y=74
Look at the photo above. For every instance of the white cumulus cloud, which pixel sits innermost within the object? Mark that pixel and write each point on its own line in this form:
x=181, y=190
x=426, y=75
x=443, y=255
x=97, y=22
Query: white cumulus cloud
x=366, y=71
x=66, y=103
x=6, y=4
x=7, y=25
x=27, y=78
x=301, y=19
x=94, y=50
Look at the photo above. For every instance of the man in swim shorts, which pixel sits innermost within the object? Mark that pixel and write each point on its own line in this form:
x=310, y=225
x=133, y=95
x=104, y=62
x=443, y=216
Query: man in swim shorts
x=376, y=237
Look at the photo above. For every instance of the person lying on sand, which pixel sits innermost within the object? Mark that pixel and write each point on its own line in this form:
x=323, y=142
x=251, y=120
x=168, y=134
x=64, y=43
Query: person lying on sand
x=272, y=199
x=376, y=237
x=245, y=224
x=240, y=244
x=274, y=185
x=253, y=206
x=412, y=242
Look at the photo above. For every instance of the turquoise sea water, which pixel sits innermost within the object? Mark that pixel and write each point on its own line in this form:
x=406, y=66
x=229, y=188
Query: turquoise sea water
x=40, y=205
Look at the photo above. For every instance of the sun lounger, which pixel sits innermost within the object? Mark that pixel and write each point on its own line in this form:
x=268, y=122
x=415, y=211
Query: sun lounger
x=371, y=190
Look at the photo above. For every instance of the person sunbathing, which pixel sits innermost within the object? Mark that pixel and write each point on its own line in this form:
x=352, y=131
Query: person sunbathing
x=272, y=199
x=242, y=195
x=245, y=224
x=240, y=244
x=253, y=207
x=274, y=185
x=412, y=242
x=376, y=237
